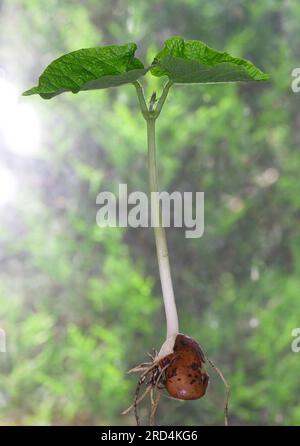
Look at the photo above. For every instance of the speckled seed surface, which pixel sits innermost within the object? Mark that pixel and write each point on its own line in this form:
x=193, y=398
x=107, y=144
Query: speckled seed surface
x=186, y=377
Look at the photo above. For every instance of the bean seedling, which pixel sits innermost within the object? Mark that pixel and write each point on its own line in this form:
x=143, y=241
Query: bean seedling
x=179, y=366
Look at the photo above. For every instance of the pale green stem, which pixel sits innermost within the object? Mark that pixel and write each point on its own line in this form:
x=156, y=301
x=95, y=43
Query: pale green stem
x=159, y=230
x=160, y=236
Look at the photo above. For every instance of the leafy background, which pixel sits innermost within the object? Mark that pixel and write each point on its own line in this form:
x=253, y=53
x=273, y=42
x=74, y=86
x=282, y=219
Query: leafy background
x=80, y=305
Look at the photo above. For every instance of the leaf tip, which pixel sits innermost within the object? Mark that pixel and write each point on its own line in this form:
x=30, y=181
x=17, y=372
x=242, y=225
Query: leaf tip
x=27, y=92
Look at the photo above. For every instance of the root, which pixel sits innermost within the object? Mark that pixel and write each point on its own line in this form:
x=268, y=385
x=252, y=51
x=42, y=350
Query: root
x=136, y=397
x=139, y=400
x=227, y=387
x=153, y=355
x=151, y=376
x=155, y=395
x=154, y=398
x=145, y=368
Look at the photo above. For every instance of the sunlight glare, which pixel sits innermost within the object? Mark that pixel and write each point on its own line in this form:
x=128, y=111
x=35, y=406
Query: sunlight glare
x=19, y=123
x=8, y=186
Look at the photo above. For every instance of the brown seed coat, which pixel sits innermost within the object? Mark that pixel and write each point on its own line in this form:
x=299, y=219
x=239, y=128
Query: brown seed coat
x=186, y=377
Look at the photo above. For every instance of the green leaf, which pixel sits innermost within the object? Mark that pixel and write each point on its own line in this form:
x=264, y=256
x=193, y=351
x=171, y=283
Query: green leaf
x=191, y=61
x=90, y=69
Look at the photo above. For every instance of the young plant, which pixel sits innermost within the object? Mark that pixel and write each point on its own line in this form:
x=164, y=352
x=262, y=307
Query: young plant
x=178, y=367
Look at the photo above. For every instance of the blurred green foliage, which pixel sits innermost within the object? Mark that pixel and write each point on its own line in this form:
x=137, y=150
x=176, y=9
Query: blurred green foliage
x=81, y=305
